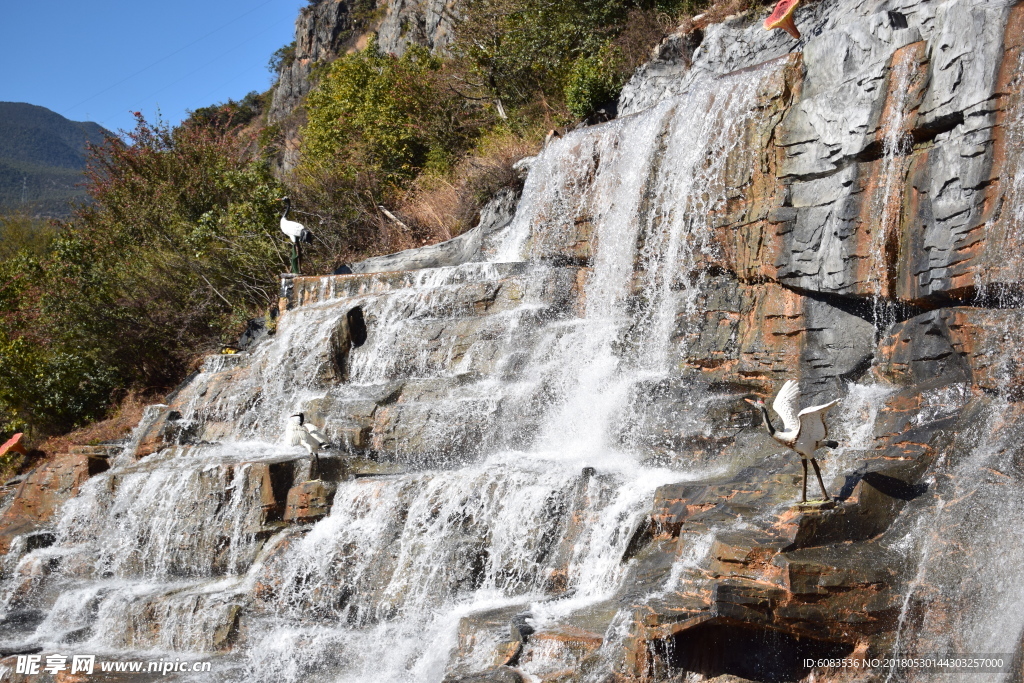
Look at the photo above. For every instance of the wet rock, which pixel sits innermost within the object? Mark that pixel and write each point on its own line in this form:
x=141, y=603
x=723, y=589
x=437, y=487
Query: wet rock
x=557, y=653
x=162, y=427
x=765, y=333
x=501, y=674
x=309, y=501
x=669, y=60
x=958, y=345
x=486, y=638
x=41, y=494
x=255, y=332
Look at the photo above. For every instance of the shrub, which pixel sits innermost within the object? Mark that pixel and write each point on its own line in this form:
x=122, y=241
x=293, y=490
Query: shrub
x=231, y=113
x=173, y=253
x=375, y=122
x=447, y=205
x=593, y=81
x=23, y=233
x=282, y=58
x=385, y=117
x=521, y=51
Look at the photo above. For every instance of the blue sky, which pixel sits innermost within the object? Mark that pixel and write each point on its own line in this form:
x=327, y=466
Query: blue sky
x=100, y=60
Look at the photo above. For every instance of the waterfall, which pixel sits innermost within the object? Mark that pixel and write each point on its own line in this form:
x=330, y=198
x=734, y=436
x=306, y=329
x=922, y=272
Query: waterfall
x=964, y=595
x=654, y=181
x=401, y=557
x=532, y=491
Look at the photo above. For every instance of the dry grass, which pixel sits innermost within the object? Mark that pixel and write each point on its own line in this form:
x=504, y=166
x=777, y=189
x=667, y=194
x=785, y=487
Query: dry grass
x=643, y=31
x=718, y=11
x=442, y=207
x=123, y=418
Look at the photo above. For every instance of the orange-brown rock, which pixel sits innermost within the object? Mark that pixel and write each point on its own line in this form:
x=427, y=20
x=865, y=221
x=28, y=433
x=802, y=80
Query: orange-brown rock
x=309, y=501
x=41, y=494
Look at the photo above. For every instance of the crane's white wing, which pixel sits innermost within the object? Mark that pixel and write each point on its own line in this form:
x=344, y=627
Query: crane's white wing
x=293, y=229
x=812, y=422
x=785, y=405
x=314, y=432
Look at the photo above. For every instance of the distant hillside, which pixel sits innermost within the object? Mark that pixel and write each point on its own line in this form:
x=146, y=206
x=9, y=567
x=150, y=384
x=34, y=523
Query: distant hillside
x=42, y=156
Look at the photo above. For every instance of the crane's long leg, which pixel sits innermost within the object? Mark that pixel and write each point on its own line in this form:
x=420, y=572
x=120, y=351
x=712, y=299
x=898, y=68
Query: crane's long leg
x=817, y=472
x=803, y=496
x=315, y=469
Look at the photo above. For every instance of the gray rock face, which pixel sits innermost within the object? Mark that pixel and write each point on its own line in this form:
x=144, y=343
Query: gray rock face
x=417, y=22
x=889, y=121
x=322, y=31
x=326, y=28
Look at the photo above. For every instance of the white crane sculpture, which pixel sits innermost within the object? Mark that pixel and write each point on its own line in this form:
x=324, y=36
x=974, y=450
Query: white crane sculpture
x=309, y=436
x=297, y=232
x=804, y=432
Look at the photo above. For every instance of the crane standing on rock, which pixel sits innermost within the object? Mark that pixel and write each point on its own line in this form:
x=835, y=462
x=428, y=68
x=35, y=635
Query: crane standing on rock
x=296, y=231
x=309, y=436
x=805, y=431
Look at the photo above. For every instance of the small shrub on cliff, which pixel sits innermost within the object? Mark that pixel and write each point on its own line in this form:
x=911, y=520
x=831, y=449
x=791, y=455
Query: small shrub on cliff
x=282, y=58
x=231, y=113
x=592, y=81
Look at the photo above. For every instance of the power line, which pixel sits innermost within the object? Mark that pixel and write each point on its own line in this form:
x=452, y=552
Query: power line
x=228, y=82
x=202, y=66
x=166, y=57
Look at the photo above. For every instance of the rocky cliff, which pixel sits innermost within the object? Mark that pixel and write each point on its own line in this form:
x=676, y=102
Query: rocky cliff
x=543, y=467
x=327, y=29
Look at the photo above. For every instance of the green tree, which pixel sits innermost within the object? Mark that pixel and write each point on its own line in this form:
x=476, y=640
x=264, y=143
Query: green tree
x=594, y=80
x=173, y=252
x=375, y=123
x=385, y=116
x=518, y=52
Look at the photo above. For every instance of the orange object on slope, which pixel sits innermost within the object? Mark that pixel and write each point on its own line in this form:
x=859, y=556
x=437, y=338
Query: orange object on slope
x=782, y=17
x=13, y=444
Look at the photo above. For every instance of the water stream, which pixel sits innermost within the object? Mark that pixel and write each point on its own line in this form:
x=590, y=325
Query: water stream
x=529, y=492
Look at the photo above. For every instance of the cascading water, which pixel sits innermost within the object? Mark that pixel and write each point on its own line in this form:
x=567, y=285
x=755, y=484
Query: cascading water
x=964, y=596
x=967, y=546
x=181, y=551
x=896, y=147
x=650, y=185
